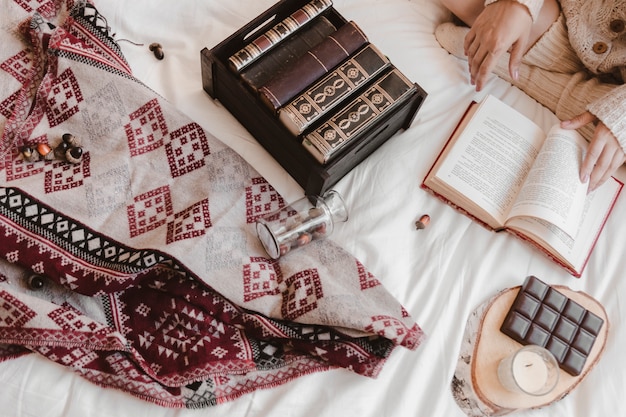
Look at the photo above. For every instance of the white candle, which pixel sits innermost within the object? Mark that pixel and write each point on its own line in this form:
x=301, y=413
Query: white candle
x=532, y=370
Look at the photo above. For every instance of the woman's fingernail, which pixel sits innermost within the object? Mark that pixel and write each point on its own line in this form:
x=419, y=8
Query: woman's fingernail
x=585, y=178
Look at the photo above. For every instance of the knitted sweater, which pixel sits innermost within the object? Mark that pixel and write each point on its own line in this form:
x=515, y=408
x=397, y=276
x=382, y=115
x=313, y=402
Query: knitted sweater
x=597, y=33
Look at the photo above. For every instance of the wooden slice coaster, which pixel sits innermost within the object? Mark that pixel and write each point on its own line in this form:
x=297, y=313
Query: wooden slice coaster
x=475, y=385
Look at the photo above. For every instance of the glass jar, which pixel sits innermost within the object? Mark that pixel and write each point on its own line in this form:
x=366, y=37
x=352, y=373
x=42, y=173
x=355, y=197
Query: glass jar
x=299, y=223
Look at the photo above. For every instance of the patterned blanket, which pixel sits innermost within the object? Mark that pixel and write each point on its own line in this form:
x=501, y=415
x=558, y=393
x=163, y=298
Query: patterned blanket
x=136, y=264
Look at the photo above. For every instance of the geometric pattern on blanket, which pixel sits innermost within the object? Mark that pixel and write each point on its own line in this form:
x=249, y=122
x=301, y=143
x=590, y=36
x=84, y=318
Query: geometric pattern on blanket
x=150, y=277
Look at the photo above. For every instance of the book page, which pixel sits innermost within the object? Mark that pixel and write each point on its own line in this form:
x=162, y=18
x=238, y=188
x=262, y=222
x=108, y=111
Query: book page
x=553, y=190
x=574, y=250
x=492, y=157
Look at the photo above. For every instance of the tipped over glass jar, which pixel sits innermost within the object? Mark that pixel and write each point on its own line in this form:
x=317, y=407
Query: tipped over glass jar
x=301, y=222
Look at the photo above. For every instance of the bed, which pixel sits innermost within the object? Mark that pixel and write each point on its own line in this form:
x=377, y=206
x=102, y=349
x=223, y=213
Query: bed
x=440, y=274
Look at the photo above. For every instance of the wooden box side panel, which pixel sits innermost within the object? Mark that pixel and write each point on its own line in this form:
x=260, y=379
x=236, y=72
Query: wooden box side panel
x=259, y=122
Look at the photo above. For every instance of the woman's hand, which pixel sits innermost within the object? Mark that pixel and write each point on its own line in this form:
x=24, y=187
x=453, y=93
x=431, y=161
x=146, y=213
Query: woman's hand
x=502, y=26
x=604, y=154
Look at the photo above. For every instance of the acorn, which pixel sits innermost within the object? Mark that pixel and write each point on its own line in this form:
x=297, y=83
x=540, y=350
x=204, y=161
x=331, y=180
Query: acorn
x=74, y=155
x=320, y=230
x=284, y=248
x=36, y=282
x=61, y=150
x=304, y=239
x=70, y=139
x=422, y=222
x=45, y=151
x=157, y=50
x=30, y=154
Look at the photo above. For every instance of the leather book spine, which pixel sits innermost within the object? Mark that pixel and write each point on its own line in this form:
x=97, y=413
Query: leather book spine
x=273, y=62
x=318, y=100
x=311, y=66
x=381, y=98
x=268, y=40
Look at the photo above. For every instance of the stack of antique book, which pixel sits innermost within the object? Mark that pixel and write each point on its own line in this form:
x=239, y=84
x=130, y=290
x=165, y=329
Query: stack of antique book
x=311, y=78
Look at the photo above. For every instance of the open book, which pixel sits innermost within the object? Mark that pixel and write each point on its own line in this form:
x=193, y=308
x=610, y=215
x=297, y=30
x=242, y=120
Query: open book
x=503, y=170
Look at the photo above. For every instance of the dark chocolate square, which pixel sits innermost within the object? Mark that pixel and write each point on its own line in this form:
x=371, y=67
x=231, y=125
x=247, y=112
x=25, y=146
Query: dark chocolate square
x=592, y=323
x=547, y=318
x=535, y=287
x=516, y=325
x=537, y=335
x=555, y=300
x=527, y=305
x=565, y=330
x=583, y=342
x=574, y=362
x=574, y=311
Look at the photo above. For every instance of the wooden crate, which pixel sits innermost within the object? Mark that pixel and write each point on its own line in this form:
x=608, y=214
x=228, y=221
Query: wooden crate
x=225, y=85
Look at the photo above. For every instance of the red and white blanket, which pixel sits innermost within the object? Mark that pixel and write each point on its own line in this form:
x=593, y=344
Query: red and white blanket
x=139, y=267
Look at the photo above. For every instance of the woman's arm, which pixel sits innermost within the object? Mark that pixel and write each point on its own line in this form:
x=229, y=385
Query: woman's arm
x=606, y=152
x=505, y=25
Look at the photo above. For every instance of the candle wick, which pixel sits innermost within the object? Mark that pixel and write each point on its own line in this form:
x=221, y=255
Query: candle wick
x=529, y=365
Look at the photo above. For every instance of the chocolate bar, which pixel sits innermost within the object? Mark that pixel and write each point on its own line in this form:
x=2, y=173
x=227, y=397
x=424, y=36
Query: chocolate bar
x=543, y=316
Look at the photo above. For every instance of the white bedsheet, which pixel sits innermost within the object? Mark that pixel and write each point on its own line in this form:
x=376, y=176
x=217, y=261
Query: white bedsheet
x=439, y=274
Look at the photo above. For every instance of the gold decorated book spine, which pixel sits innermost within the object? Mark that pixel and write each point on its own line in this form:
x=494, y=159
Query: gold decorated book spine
x=328, y=93
x=268, y=40
x=326, y=141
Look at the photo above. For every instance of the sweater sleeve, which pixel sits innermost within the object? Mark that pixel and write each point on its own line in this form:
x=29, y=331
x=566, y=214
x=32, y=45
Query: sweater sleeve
x=611, y=110
x=533, y=6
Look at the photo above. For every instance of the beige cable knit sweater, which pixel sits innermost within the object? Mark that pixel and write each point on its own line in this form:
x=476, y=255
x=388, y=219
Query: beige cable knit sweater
x=597, y=33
